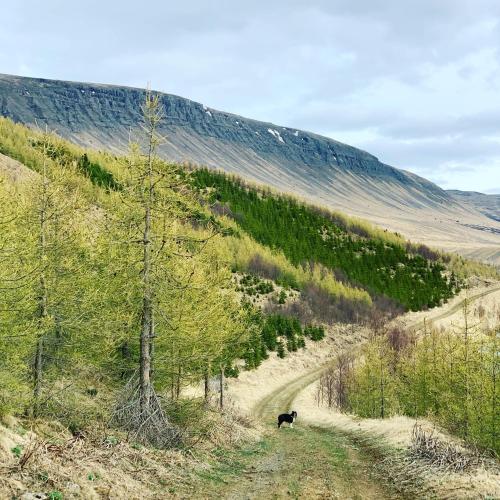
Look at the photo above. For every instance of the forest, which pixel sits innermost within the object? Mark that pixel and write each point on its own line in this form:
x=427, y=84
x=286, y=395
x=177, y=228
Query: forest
x=118, y=287
x=118, y=280
x=109, y=296
x=376, y=262
x=450, y=376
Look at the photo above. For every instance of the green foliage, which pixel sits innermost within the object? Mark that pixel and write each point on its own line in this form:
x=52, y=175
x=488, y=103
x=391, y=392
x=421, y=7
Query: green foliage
x=278, y=333
x=111, y=441
x=96, y=173
x=43, y=477
x=314, y=332
x=280, y=349
x=17, y=451
x=452, y=377
x=465, y=268
x=253, y=285
x=64, y=155
x=27, y=146
x=248, y=256
x=89, y=270
x=304, y=234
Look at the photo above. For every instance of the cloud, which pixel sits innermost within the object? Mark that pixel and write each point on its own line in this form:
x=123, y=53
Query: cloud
x=415, y=83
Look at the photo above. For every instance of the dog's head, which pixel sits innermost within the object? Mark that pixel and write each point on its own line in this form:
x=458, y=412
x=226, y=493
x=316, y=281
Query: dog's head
x=293, y=414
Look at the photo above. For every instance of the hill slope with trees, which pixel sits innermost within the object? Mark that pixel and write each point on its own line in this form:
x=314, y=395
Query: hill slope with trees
x=380, y=263
x=324, y=171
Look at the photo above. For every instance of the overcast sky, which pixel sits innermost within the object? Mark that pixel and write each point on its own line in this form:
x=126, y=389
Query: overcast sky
x=417, y=83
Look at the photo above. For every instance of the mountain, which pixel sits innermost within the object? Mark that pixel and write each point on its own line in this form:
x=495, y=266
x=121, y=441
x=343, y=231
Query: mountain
x=488, y=204
x=317, y=168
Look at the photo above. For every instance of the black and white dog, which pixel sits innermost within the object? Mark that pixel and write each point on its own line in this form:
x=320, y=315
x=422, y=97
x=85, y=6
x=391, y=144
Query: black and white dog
x=287, y=417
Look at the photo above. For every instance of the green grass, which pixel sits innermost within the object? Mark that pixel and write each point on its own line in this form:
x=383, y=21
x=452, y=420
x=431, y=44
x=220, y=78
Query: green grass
x=287, y=463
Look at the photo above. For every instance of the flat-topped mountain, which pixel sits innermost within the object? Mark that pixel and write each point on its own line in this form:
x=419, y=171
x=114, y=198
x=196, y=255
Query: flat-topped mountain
x=317, y=168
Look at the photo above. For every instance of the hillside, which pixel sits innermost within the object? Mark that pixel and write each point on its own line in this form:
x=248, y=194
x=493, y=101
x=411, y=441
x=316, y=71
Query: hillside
x=320, y=169
x=487, y=204
x=129, y=284
x=380, y=263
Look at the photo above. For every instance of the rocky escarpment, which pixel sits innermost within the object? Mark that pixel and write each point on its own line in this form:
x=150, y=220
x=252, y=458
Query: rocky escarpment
x=317, y=168
x=104, y=114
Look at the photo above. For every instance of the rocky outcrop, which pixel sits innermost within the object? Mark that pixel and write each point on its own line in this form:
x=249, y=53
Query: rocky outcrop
x=103, y=115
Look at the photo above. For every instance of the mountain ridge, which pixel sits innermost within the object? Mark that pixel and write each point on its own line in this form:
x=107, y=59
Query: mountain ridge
x=487, y=204
x=320, y=169
x=170, y=101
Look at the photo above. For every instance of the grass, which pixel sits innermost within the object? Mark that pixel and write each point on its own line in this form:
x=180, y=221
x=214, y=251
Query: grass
x=303, y=462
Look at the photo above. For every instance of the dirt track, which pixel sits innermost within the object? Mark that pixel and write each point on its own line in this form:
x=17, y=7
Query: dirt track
x=455, y=308
x=298, y=392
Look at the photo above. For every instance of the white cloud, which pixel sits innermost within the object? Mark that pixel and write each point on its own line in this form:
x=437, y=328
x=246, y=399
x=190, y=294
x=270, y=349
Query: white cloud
x=416, y=83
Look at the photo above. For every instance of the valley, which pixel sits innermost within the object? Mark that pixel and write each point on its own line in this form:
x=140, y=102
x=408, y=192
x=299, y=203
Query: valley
x=383, y=444
x=156, y=316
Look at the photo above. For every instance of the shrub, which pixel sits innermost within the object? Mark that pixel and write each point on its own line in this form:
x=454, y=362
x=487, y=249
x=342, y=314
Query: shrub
x=280, y=350
x=314, y=332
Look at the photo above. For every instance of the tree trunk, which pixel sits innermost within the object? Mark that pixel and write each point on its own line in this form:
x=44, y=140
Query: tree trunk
x=43, y=296
x=38, y=374
x=146, y=342
x=147, y=313
x=178, y=388
x=221, y=378
x=382, y=387
x=207, y=384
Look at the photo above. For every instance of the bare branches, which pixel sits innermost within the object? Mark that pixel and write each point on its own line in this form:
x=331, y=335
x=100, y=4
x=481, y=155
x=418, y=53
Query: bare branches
x=146, y=424
x=426, y=445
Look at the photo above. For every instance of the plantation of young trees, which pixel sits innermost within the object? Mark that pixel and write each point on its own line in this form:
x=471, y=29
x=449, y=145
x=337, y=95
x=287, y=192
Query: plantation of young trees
x=381, y=264
x=117, y=286
x=109, y=297
x=278, y=333
x=117, y=291
x=451, y=377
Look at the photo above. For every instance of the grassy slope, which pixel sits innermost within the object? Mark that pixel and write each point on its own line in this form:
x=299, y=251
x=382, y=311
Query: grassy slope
x=303, y=462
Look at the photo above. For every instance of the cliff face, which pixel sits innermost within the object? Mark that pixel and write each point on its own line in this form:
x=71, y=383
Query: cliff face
x=103, y=115
x=320, y=169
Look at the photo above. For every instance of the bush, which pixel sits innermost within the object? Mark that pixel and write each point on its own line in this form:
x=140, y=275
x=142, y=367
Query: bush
x=278, y=333
x=281, y=350
x=314, y=332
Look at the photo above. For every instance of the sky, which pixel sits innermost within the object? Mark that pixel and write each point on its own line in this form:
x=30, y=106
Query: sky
x=416, y=83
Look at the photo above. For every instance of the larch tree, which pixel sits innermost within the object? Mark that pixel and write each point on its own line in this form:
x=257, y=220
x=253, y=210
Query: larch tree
x=173, y=285
x=48, y=261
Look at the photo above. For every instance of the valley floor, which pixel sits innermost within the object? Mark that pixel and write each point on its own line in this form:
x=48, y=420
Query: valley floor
x=373, y=449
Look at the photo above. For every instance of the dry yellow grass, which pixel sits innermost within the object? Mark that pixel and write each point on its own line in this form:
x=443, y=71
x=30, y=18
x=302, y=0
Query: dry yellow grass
x=14, y=171
x=483, y=482
x=102, y=464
